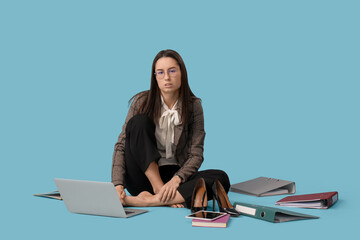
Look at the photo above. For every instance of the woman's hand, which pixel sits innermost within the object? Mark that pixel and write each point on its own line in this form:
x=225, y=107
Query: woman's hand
x=168, y=191
x=121, y=192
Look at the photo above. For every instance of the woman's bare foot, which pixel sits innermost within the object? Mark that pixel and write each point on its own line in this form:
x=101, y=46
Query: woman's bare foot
x=146, y=199
x=145, y=194
x=178, y=205
x=141, y=200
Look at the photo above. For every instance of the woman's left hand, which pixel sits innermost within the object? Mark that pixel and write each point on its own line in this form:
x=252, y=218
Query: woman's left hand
x=168, y=191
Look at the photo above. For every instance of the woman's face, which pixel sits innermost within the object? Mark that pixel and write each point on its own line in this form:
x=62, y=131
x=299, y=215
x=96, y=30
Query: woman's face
x=168, y=75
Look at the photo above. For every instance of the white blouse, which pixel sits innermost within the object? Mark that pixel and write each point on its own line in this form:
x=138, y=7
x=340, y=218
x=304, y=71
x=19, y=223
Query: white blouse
x=164, y=133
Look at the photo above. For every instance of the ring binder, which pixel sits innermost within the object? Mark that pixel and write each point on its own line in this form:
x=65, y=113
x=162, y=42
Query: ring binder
x=270, y=214
x=264, y=186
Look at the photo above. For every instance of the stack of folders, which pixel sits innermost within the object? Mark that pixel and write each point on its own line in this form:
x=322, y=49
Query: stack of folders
x=217, y=223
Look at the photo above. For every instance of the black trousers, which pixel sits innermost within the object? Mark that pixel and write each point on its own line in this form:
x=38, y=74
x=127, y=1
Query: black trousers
x=141, y=150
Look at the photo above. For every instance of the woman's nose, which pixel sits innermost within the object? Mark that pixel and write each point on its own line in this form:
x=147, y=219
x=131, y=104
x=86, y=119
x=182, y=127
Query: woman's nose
x=166, y=76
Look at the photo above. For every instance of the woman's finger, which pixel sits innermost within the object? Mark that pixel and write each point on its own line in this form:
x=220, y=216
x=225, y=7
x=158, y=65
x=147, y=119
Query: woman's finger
x=164, y=195
x=161, y=194
x=170, y=194
x=173, y=194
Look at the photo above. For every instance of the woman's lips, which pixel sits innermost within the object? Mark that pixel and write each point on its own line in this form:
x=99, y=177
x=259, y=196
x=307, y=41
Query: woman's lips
x=168, y=85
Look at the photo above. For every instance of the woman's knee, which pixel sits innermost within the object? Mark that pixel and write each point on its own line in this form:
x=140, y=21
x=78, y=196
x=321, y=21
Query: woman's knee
x=223, y=178
x=140, y=122
x=212, y=175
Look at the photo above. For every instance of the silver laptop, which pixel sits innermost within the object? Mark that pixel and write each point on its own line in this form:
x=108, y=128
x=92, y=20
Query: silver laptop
x=95, y=198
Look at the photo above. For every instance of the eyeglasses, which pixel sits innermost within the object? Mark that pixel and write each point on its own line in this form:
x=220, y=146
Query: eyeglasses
x=161, y=74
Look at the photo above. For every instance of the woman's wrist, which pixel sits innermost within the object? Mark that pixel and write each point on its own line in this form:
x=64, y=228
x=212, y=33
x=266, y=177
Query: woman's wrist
x=178, y=179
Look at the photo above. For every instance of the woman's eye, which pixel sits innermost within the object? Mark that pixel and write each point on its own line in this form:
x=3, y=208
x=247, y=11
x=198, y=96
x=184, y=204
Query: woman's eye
x=159, y=72
x=172, y=71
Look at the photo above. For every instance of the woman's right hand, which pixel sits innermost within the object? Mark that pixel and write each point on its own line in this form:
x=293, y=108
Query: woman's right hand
x=121, y=192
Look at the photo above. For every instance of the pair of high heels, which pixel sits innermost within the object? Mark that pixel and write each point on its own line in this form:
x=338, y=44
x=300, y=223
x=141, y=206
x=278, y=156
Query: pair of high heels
x=199, y=198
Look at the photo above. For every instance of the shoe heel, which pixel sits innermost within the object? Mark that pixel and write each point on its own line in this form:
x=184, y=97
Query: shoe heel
x=223, y=200
x=199, y=197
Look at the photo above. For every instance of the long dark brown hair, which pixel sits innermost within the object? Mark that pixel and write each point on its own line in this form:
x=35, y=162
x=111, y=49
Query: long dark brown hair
x=152, y=105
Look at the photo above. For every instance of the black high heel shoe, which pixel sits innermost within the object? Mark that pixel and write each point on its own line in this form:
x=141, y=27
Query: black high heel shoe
x=223, y=200
x=199, y=196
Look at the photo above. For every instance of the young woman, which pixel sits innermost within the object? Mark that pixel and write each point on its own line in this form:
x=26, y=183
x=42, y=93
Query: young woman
x=160, y=148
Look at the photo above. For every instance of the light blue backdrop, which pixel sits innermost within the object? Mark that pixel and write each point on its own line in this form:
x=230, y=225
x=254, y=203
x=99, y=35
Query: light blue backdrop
x=279, y=81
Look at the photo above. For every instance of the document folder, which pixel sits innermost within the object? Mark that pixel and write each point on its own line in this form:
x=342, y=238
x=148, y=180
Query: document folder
x=53, y=195
x=316, y=200
x=263, y=186
x=270, y=214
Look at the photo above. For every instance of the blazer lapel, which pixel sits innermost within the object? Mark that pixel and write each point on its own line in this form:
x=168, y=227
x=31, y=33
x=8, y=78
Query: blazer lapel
x=177, y=133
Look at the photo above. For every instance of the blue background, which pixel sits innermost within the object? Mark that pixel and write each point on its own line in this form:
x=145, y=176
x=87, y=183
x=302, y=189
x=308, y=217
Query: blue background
x=279, y=81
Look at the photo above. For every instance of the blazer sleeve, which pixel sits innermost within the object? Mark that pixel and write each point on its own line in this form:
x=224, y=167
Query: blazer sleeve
x=195, y=143
x=118, y=160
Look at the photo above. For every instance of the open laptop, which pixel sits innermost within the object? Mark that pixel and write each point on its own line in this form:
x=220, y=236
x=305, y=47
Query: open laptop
x=95, y=198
